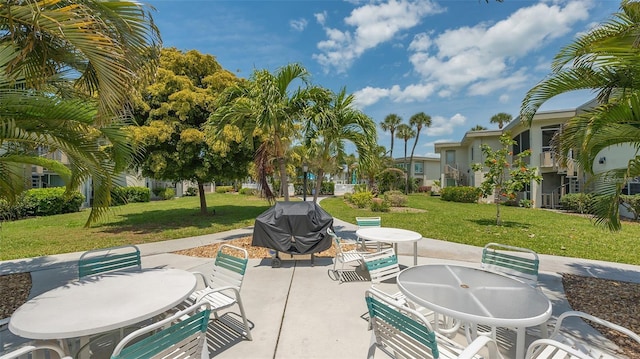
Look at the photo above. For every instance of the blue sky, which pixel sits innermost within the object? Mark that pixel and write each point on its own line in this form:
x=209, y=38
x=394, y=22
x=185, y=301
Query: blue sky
x=459, y=61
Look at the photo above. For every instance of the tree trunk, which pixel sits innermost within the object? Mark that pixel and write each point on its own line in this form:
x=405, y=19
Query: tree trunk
x=413, y=149
x=406, y=185
x=319, y=177
x=284, y=183
x=203, y=199
x=498, y=219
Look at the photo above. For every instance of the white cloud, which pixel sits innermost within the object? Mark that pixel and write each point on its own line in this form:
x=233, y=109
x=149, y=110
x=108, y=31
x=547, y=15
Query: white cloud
x=445, y=126
x=298, y=24
x=503, y=98
x=321, y=17
x=373, y=24
x=370, y=95
x=483, y=55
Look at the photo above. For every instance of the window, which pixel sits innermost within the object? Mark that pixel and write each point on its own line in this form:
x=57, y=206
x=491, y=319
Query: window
x=547, y=136
x=418, y=168
x=523, y=142
x=450, y=157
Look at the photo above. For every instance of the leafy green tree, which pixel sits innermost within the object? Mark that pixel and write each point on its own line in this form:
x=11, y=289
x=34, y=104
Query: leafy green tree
x=390, y=124
x=605, y=60
x=174, y=111
x=405, y=132
x=504, y=179
x=333, y=124
x=478, y=128
x=501, y=119
x=68, y=88
x=267, y=108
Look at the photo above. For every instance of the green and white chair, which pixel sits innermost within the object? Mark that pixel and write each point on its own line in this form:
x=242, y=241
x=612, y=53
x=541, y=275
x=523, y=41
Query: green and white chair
x=105, y=260
x=402, y=332
x=183, y=335
x=344, y=257
x=370, y=222
x=516, y=262
x=564, y=344
x=382, y=265
x=223, y=284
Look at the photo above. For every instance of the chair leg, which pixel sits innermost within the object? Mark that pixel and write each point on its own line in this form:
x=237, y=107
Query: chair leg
x=372, y=347
x=247, y=333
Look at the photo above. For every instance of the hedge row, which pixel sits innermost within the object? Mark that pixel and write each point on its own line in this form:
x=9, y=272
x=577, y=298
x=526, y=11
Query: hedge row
x=41, y=202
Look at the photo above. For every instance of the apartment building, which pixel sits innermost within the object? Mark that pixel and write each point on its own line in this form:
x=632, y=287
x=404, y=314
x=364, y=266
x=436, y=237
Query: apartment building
x=425, y=170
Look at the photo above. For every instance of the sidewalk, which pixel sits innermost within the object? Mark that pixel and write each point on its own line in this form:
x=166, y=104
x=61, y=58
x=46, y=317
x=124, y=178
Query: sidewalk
x=298, y=310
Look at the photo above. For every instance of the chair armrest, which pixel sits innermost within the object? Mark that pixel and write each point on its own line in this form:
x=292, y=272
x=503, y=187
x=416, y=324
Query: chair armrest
x=209, y=291
x=537, y=347
x=606, y=323
x=31, y=348
x=480, y=342
x=203, y=277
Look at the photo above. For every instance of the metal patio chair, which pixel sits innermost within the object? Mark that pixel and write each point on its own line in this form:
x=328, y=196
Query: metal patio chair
x=110, y=259
x=344, y=257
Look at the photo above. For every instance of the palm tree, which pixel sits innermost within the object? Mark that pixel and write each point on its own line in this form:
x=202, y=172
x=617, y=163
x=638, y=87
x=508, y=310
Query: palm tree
x=606, y=61
x=405, y=133
x=501, y=119
x=419, y=120
x=266, y=108
x=390, y=124
x=69, y=87
x=478, y=128
x=332, y=124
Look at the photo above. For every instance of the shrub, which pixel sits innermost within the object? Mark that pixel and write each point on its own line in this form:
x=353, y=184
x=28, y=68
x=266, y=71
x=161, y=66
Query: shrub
x=50, y=201
x=577, y=202
x=224, y=189
x=526, y=203
x=23, y=207
x=124, y=195
x=379, y=205
x=424, y=189
x=327, y=188
x=360, y=188
x=362, y=199
x=464, y=194
x=347, y=197
x=248, y=191
x=169, y=193
x=191, y=192
x=631, y=203
x=396, y=198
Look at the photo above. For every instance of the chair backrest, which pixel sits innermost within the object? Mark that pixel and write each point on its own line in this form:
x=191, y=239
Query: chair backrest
x=183, y=335
x=381, y=265
x=31, y=349
x=110, y=259
x=364, y=222
x=229, y=267
x=399, y=330
x=336, y=240
x=519, y=263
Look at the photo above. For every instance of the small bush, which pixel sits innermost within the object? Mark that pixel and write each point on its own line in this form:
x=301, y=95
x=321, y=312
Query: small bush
x=424, y=189
x=632, y=204
x=169, y=193
x=327, y=188
x=396, y=198
x=124, y=195
x=191, y=192
x=248, y=191
x=50, y=201
x=463, y=194
x=224, y=189
x=379, y=205
x=526, y=203
x=577, y=202
x=347, y=197
x=362, y=199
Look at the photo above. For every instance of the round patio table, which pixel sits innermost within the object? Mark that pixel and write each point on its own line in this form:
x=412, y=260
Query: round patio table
x=391, y=235
x=99, y=304
x=476, y=296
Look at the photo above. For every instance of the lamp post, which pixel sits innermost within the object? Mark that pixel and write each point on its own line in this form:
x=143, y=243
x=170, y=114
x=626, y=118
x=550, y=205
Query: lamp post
x=305, y=168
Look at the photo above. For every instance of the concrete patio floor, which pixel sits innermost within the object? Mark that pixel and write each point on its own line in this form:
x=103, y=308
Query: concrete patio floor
x=299, y=310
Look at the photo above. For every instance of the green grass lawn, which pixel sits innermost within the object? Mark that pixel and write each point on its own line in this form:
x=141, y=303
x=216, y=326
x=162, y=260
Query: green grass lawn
x=544, y=231
x=134, y=223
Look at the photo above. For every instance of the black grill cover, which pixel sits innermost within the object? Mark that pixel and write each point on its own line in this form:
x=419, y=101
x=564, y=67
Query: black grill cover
x=294, y=228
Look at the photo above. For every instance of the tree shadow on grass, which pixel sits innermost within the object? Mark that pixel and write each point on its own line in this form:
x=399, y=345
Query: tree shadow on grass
x=156, y=221
x=507, y=224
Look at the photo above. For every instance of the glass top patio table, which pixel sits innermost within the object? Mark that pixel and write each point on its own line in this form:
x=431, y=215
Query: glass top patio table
x=476, y=296
x=102, y=303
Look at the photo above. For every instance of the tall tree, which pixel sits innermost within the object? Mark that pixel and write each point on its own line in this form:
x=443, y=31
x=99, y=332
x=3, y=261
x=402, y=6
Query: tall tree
x=333, y=124
x=478, y=128
x=501, y=119
x=605, y=60
x=61, y=89
x=269, y=109
x=390, y=124
x=405, y=132
x=176, y=107
x=419, y=120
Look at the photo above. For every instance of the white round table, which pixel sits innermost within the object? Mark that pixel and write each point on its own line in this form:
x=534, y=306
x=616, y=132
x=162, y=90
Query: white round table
x=101, y=303
x=477, y=296
x=391, y=235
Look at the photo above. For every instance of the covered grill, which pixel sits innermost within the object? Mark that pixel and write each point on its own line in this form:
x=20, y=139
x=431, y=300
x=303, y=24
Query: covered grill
x=293, y=227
